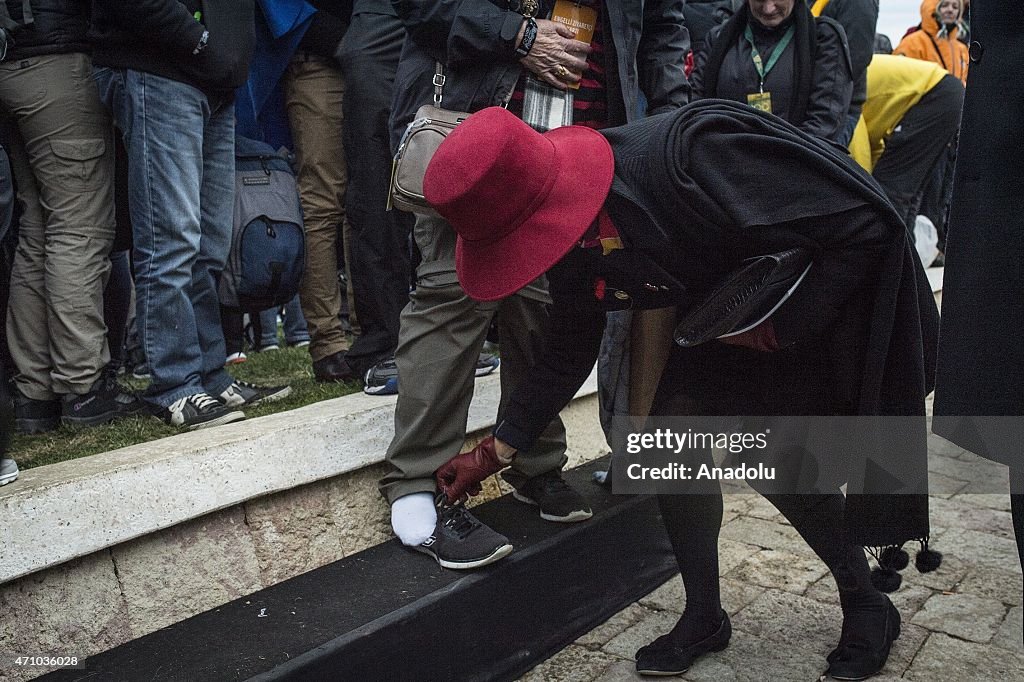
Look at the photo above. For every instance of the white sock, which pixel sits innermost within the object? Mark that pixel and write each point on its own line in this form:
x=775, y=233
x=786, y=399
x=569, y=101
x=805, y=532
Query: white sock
x=413, y=518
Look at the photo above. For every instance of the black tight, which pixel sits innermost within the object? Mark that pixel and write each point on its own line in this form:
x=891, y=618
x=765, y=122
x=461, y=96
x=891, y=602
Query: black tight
x=693, y=522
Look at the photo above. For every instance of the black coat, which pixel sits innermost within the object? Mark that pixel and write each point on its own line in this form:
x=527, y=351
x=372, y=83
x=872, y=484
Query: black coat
x=981, y=354
x=810, y=86
x=863, y=323
x=58, y=27
x=475, y=42
x=159, y=37
x=859, y=19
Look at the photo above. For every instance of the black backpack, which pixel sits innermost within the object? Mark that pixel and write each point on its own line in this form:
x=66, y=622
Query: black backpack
x=268, y=243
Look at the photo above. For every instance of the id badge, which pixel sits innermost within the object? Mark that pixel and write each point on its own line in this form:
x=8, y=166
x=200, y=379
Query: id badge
x=578, y=18
x=760, y=100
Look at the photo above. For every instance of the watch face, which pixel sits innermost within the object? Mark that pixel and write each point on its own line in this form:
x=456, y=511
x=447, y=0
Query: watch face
x=529, y=7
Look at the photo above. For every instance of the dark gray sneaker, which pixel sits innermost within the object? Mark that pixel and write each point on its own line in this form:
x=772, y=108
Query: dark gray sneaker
x=244, y=394
x=555, y=498
x=199, y=411
x=106, y=400
x=462, y=541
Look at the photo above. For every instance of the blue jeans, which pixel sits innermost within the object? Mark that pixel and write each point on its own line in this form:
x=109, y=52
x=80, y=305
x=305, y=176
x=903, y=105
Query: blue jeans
x=295, y=330
x=181, y=168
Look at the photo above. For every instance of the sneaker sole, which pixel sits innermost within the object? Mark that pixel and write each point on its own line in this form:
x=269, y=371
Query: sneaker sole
x=283, y=393
x=484, y=371
x=34, y=426
x=499, y=553
x=389, y=388
x=572, y=517
x=230, y=417
x=9, y=478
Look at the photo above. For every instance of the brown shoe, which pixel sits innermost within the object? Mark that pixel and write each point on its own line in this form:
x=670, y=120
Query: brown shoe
x=334, y=368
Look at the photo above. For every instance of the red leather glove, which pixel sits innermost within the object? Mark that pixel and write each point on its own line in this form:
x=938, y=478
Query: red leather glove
x=462, y=474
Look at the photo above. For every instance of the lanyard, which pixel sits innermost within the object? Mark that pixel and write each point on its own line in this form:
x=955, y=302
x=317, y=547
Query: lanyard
x=762, y=68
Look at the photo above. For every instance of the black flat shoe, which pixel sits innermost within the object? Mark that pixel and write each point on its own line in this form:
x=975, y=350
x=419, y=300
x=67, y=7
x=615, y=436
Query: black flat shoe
x=861, y=653
x=663, y=656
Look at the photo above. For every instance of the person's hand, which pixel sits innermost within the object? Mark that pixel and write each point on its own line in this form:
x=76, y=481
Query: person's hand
x=462, y=475
x=556, y=57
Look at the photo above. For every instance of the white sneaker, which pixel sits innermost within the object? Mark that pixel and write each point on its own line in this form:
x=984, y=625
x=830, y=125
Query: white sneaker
x=8, y=471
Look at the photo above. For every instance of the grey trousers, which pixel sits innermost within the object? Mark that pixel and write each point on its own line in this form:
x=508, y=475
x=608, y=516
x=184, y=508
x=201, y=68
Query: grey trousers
x=63, y=161
x=441, y=334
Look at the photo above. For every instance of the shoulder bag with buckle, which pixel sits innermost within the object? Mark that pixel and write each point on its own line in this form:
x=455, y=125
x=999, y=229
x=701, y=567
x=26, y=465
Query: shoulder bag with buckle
x=419, y=142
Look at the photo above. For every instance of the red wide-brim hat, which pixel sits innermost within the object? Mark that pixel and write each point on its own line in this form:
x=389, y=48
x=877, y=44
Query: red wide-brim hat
x=518, y=199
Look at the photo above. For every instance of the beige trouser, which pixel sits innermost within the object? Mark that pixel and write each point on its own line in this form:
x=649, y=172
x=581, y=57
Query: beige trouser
x=314, y=90
x=63, y=162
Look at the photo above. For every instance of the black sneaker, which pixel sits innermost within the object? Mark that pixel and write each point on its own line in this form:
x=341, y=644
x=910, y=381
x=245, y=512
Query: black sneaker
x=461, y=541
x=382, y=378
x=557, y=501
x=106, y=400
x=244, y=394
x=199, y=411
x=35, y=416
x=486, y=363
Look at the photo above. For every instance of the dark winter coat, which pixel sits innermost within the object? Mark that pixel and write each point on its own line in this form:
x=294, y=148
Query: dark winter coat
x=810, y=85
x=160, y=36
x=981, y=354
x=859, y=18
x=57, y=27
x=475, y=40
x=863, y=322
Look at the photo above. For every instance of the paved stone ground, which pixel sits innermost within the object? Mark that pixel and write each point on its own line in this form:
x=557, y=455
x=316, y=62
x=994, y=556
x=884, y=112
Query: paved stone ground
x=962, y=622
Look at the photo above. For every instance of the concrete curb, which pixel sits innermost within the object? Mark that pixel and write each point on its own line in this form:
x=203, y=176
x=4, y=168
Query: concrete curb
x=56, y=513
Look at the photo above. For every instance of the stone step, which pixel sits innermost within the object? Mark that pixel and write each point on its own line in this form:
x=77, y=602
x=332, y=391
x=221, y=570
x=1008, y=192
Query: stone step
x=391, y=614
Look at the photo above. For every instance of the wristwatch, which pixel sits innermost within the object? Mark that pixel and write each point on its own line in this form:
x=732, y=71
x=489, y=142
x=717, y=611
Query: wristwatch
x=529, y=37
x=205, y=38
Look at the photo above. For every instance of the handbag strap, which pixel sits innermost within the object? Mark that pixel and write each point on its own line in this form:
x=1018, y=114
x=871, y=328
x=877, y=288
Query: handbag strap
x=438, y=82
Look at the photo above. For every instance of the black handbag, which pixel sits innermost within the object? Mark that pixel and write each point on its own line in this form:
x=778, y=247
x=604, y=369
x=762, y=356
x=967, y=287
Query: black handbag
x=746, y=298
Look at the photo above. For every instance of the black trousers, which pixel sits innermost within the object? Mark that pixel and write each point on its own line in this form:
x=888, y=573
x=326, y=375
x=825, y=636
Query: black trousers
x=921, y=142
x=380, y=250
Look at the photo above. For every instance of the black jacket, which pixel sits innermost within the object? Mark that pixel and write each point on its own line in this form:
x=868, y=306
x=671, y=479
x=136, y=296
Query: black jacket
x=159, y=36
x=859, y=18
x=58, y=27
x=981, y=355
x=821, y=70
x=474, y=39
x=864, y=317
x=704, y=15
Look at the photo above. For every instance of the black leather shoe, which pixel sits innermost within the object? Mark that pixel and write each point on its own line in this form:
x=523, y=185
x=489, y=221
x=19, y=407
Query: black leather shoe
x=664, y=656
x=334, y=368
x=865, y=643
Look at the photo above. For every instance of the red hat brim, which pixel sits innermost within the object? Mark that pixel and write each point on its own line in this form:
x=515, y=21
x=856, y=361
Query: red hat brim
x=496, y=269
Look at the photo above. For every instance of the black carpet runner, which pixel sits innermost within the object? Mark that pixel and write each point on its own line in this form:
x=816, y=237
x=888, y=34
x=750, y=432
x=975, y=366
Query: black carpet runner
x=391, y=614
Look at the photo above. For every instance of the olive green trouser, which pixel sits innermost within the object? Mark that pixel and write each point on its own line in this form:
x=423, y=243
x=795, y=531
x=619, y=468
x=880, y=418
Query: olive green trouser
x=442, y=332
x=63, y=162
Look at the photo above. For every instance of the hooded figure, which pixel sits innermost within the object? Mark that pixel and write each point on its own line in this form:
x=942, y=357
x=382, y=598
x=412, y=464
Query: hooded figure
x=937, y=40
x=637, y=217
